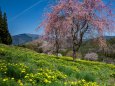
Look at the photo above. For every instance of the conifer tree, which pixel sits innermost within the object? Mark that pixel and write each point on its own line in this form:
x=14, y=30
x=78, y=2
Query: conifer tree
x=6, y=35
x=1, y=23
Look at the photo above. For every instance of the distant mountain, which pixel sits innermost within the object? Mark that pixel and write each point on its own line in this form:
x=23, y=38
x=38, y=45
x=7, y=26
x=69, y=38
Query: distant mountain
x=24, y=38
x=109, y=37
x=106, y=37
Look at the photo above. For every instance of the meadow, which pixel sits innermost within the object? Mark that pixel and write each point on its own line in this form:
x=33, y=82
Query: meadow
x=24, y=67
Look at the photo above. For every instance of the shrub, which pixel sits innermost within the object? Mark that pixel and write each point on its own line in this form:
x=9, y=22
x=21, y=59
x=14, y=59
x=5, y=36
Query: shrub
x=35, y=46
x=59, y=55
x=91, y=56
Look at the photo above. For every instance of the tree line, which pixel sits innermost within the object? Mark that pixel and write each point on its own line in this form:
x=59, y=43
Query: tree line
x=5, y=36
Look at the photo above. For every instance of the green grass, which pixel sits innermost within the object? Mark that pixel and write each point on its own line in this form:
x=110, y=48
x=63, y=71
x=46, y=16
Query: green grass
x=24, y=67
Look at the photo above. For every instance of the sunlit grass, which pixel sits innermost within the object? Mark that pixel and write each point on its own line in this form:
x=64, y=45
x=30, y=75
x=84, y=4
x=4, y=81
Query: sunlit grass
x=23, y=67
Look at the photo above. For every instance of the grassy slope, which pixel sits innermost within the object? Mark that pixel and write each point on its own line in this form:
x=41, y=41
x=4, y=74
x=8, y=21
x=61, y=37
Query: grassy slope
x=19, y=66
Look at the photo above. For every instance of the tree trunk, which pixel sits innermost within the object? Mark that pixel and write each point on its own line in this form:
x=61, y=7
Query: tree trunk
x=76, y=47
x=57, y=42
x=57, y=48
x=74, y=50
x=74, y=54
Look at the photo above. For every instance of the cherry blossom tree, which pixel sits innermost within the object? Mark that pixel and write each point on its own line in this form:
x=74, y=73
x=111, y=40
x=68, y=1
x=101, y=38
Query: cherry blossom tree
x=53, y=33
x=75, y=18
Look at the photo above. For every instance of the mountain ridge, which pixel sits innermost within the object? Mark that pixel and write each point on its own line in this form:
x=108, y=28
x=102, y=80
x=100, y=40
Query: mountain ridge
x=24, y=38
x=28, y=37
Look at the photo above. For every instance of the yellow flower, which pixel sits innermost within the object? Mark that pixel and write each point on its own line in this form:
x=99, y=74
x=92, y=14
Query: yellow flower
x=23, y=71
x=65, y=83
x=30, y=80
x=2, y=49
x=20, y=83
x=53, y=77
x=26, y=77
x=83, y=80
x=49, y=77
x=12, y=78
x=5, y=79
x=46, y=81
x=33, y=82
x=49, y=82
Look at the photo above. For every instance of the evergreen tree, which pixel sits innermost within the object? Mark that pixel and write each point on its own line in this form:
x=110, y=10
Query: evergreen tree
x=6, y=35
x=1, y=25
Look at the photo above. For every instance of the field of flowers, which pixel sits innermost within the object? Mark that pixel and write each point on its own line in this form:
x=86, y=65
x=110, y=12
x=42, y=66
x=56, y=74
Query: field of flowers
x=23, y=67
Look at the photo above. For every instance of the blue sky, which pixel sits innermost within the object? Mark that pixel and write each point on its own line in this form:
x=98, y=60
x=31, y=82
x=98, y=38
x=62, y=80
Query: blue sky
x=25, y=15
